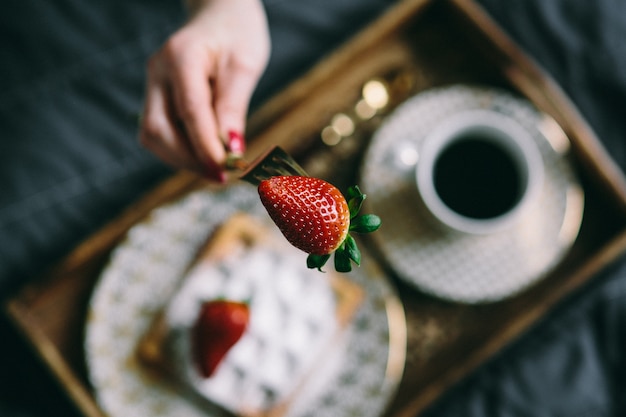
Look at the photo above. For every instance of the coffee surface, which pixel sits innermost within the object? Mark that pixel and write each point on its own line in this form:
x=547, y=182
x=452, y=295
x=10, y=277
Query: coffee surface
x=477, y=178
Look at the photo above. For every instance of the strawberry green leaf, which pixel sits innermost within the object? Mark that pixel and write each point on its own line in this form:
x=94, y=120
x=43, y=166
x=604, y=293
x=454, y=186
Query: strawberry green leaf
x=342, y=260
x=366, y=223
x=353, y=250
x=317, y=261
x=354, y=192
x=355, y=200
x=354, y=205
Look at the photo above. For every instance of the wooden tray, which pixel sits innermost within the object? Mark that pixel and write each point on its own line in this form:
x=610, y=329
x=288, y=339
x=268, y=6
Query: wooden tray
x=439, y=42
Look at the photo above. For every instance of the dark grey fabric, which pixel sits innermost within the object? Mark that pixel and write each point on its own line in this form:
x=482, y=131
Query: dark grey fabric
x=581, y=44
x=304, y=31
x=71, y=81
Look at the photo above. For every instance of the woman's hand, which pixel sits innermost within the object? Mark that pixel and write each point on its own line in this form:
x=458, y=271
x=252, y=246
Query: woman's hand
x=200, y=83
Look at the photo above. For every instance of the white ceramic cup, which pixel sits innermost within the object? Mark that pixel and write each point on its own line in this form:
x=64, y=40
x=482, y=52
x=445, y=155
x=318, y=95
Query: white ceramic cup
x=477, y=172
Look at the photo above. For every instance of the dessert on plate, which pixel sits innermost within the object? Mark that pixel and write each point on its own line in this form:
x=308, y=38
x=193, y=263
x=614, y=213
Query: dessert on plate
x=249, y=330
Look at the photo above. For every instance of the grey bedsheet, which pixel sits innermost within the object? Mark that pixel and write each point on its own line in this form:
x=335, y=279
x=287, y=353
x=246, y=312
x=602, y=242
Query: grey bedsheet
x=71, y=79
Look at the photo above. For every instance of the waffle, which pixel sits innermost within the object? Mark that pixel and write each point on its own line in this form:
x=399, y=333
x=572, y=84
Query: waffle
x=298, y=320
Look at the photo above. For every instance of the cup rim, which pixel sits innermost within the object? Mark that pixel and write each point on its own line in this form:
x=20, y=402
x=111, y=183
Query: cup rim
x=517, y=141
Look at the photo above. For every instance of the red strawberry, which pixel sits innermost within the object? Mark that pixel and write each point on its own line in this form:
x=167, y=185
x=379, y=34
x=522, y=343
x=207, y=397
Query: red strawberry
x=220, y=324
x=314, y=216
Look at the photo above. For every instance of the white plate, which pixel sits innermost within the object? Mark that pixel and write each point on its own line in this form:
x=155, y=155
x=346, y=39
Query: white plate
x=463, y=268
x=140, y=279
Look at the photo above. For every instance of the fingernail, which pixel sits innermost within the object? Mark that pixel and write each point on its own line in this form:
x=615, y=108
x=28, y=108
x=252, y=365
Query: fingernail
x=236, y=142
x=215, y=173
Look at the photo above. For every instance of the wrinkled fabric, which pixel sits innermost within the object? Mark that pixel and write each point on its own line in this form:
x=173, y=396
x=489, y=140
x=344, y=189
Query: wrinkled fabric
x=581, y=45
x=71, y=84
x=572, y=364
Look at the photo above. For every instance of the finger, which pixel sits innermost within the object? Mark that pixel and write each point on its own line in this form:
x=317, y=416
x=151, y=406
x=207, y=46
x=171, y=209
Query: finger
x=233, y=89
x=193, y=105
x=158, y=131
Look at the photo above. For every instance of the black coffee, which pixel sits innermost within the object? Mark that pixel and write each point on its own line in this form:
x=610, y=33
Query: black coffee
x=477, y=178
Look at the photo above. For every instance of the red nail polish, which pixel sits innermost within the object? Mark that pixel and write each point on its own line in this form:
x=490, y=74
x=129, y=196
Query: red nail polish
x=215, y=173
x=236, y=142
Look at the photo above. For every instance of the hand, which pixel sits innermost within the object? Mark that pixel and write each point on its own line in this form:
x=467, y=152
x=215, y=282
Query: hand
x=199, y=85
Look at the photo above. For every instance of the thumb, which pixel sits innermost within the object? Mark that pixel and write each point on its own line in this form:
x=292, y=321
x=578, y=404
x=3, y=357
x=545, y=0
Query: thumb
x=233, y=90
